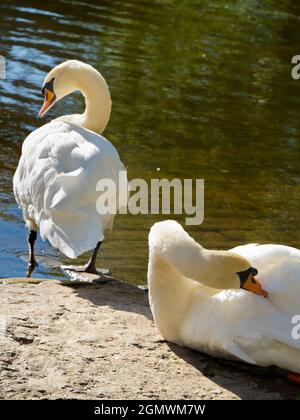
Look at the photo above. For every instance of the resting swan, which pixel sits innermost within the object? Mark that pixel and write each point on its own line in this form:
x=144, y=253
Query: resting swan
x=61, y=163
x=194, y=302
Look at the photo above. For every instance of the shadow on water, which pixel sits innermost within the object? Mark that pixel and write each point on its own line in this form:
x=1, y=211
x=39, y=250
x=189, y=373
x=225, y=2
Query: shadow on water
x=200, y=90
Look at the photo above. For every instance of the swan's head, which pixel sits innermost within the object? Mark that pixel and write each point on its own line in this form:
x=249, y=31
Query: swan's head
x=66, y=78
x=216, y=269
x=238, y=271
x=58, y=83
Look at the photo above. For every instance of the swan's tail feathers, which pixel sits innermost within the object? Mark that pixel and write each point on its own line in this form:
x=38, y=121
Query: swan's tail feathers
x=73, y=235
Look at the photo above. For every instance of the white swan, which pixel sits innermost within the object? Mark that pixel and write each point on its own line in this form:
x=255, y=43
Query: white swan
x=61, y=163
x=189, y=310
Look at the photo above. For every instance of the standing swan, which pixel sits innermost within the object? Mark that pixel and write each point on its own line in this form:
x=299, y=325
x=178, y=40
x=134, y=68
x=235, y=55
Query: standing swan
x=61, y=164
x=194, y=302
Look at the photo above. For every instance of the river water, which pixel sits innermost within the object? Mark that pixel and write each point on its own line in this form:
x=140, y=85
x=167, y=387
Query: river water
x=200, y=89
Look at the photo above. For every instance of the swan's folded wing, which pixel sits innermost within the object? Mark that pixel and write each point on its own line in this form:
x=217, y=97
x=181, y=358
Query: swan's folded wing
x=262, y=256
x=55, y=184
x=239, y=325
x=262, y=334
x=279, y=273
x=236, y=351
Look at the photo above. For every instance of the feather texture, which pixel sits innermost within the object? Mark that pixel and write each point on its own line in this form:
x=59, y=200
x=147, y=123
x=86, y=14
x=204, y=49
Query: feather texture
x=233, y=323
x=55, y=185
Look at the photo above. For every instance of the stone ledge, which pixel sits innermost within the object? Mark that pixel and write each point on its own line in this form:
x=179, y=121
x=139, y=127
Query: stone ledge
x=99, y=342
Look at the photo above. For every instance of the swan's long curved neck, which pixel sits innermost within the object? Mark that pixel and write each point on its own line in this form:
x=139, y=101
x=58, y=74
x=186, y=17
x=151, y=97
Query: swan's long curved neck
x=169, y=294
x=97, y=103
x=83, y=77
x=175, y=262
x=193, y=261
x=179, y=267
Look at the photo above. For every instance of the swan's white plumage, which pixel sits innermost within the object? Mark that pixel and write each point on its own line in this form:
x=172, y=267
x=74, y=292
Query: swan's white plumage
x=279, y=272
x=55, y=184
x=232, y=324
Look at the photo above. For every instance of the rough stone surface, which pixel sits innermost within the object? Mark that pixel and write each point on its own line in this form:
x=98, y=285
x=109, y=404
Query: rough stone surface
x=99, y=342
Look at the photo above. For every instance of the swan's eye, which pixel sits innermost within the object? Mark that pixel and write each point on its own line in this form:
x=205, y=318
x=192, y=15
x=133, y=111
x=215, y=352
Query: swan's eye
x=253, y=280
x=48, y=87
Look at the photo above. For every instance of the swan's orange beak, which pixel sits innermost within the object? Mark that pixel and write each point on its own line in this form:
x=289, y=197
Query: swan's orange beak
x=48, y=100
x=249, y=282
x=254, y=286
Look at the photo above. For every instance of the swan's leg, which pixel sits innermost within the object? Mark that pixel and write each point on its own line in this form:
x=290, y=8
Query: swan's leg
x=32, y=235
x=90, y=267
x=88, y=271
x=294, y=378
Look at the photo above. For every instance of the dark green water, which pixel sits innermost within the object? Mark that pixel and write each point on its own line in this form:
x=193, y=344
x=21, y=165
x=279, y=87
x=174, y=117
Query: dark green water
x=201, y=89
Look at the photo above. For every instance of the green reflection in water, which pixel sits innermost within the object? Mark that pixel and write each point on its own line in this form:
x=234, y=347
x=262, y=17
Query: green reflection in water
x=200, y=89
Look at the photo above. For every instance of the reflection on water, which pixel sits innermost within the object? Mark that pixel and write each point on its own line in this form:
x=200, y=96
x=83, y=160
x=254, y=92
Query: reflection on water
x=200, y=89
